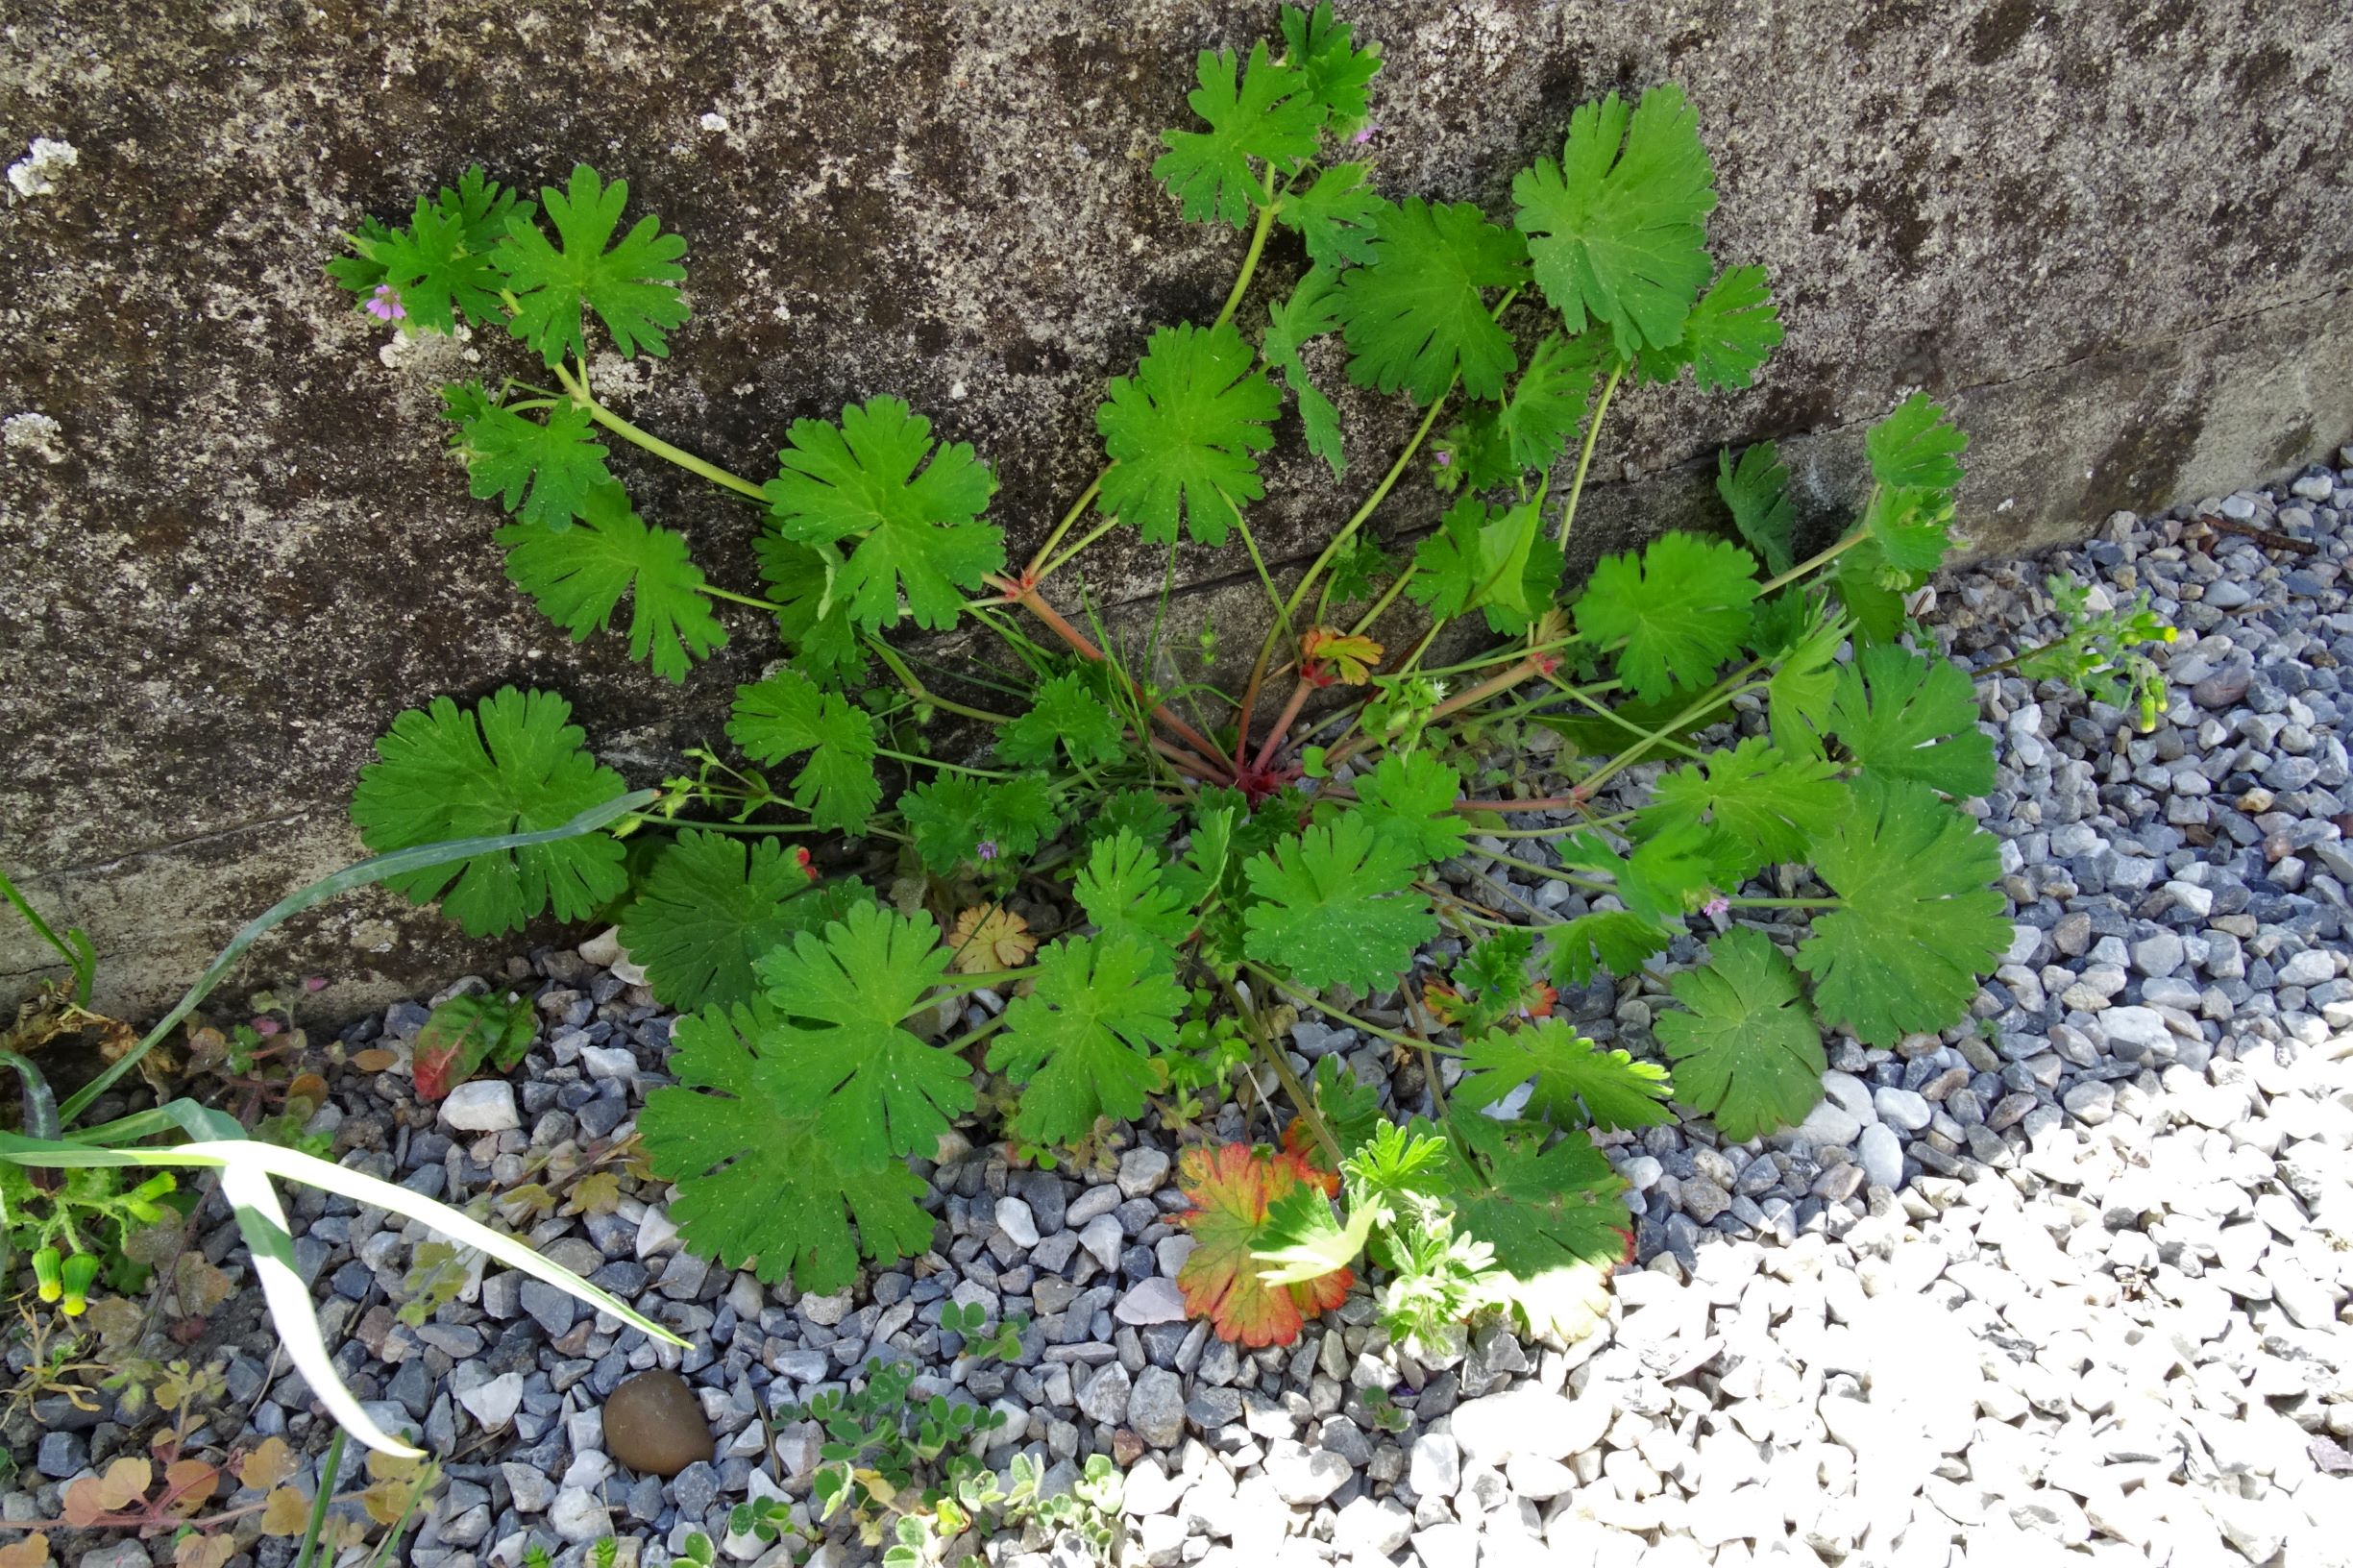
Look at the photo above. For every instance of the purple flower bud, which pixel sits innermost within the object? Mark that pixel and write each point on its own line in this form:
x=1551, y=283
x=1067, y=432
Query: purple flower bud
x=1717, y=907
x=384, y=305
x=1446, y=459
x=987, y=850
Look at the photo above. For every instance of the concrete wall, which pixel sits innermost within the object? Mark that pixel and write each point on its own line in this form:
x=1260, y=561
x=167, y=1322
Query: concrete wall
x=2114, y=237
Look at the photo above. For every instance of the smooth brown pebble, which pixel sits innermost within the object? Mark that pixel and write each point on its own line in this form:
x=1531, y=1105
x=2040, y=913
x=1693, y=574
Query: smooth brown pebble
x=654, y=1425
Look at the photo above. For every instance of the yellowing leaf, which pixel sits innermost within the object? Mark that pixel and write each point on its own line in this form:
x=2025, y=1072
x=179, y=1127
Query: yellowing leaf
x=990, y=937
x=388, y=1500
x=189, y=1483
x=266, y=1466
x=597, y=1193
x=1233, y=1188
x=33, y=1551
x=204, y=1551
x=1327, y=655
x=124, y=1484
x=375, y=1059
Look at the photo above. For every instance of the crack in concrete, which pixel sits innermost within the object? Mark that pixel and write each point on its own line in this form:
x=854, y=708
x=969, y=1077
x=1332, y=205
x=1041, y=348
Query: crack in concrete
x=93, y=868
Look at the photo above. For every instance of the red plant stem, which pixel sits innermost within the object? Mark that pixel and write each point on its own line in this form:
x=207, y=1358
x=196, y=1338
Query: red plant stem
x=1250, y=701
x=1511, y=676
x=1185, y=762
x=1283, y=723
x=1029, y=598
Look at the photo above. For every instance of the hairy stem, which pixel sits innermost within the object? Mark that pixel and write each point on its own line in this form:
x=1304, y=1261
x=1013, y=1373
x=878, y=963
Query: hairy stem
x=1268, y=205
x=1814, y=563
x=1584, y=455
x=923, y=694
x=577, y=387
x=1299, y=995
x=1078, y=509
x=1031, y=601
x=1283, y=721
x=1256, y=1027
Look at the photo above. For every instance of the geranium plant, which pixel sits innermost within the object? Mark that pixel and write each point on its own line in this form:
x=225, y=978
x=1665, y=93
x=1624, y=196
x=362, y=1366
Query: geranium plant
x=1224, y=854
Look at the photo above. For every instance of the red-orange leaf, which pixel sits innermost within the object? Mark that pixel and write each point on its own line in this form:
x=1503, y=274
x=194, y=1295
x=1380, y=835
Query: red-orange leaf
x=1231, y=1188
x=1327, y=655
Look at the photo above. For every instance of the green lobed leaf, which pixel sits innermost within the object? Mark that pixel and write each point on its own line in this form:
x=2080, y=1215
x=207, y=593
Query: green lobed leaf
x=579, y=576
x=1183, y=433
x=1683, y=610
x=1411, y=800
x=824, y=643
x=1617, y=229
x=1548, y=402
x=1747, y=1053
x=1768, y=803
x=762, y=1180
x=1756, y=492
x=712, y=904
x=1338, y=74
x=1337, y=907
x=1124, y=892
x=1496, y=561
x=1065, y=711
x=916, y=531
x=784, y=714
x=1334, y=216
x=1576, y=1082
x=1727, y=337
x=442, y=265
x=1256, y=113
x=1415, y=315
x=1080, y=1044
x=1307, y=312
x=1608, y=940
x=840, y=999
x=514, y=764
x=632, y=287
x=1797, y=696
x=1902, y=716
x=954, y=818
x=1920, y=921
x=1917, y=447
x=547, y=468
x=1540, y=1209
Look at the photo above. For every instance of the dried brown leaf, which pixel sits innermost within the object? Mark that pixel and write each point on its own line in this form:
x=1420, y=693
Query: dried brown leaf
x=204, y=1551
x=990, y=937
x=190, y=1483
x=125, y=1482
x=286, y=1512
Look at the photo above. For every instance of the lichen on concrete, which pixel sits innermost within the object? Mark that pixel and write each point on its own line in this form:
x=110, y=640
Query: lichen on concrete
x=236, y=548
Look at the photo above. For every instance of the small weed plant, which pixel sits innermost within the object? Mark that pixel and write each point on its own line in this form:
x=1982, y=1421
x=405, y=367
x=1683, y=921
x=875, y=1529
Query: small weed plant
x=818, y=898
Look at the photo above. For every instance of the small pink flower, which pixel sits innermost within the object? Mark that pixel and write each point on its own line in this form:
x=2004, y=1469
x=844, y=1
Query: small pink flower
x=265, y=1026
x=1364, y=135
x=1446, y=459
x=315, y=982
x=384, y=305
x=987, y=850
x=1717, y=908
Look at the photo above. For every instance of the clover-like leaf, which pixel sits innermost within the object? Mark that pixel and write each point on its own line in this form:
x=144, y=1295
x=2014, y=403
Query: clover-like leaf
x=1080, y=1044
x=711, y=903
x=1065, y=712
x=840, y=999
x=1919, y=919
x=516, y=764
x=1337, y=907
x=782, y=715
x=1231, y=1188
x=1183, y=433
x=1415, y=315
x=1683, y=610
x=876, y=478
x=1902, y=716
x=764, y=1180
x=632, y=287
x=1254, y=114
x=1576, y=1083
x=1617, y=229
x=579, y=575
x=1747, y=1053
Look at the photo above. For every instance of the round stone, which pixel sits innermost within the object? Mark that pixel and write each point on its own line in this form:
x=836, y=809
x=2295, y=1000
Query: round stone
x=654, y=1425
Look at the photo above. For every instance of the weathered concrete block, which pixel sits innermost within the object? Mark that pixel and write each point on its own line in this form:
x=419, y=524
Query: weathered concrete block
x=2113, y=237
